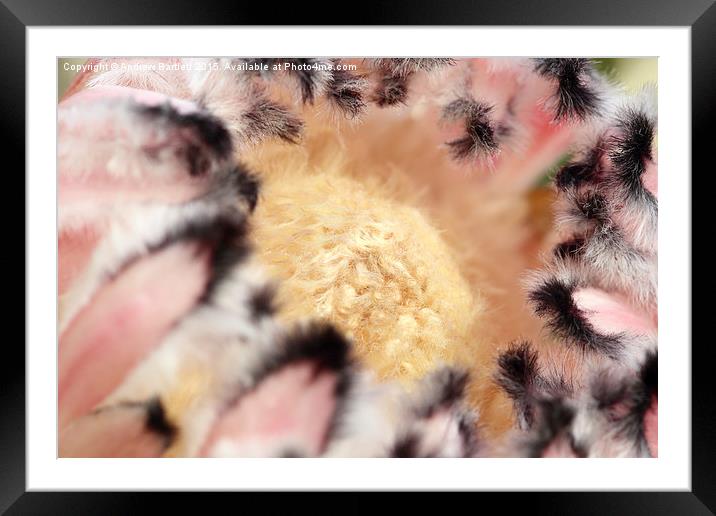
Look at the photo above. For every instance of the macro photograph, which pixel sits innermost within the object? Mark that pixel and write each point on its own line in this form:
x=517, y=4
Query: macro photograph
x=357, y=257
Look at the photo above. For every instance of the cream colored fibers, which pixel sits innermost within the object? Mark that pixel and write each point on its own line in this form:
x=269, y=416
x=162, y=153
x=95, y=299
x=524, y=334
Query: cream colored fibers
x=344, y=251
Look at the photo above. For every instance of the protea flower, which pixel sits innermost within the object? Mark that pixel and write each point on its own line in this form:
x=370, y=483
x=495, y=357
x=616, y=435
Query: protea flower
x=328, y=257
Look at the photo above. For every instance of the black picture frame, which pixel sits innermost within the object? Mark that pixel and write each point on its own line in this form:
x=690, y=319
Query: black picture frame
x=700, y=15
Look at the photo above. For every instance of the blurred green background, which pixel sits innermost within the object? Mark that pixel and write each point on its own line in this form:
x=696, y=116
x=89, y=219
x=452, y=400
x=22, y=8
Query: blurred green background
x=64, y=78
x=632, y=72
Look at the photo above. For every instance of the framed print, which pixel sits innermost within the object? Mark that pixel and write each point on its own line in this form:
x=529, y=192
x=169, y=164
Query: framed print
x=430, y=253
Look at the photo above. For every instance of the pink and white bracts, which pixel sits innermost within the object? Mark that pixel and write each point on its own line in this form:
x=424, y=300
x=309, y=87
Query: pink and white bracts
x=597, y=295
x=169, y=344
x=166, y=315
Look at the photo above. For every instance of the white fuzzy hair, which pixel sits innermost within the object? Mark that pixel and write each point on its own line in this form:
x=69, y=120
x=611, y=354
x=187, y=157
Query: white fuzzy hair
x=132, y=232
x=151, y=74
x=376, y=418
x=110, y=138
